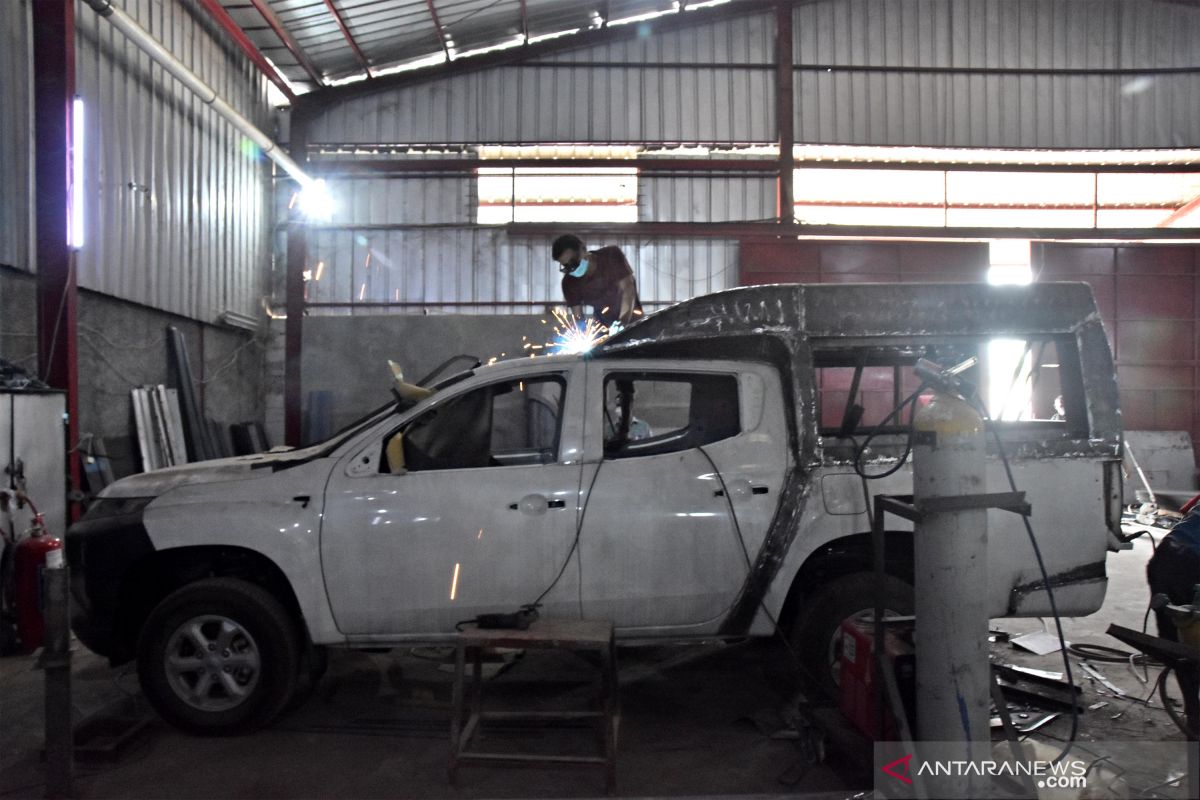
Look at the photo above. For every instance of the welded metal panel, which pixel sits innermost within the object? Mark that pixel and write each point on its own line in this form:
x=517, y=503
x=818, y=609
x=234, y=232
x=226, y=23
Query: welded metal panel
x=176, y=213
x=1005, y=93
x=16, y=76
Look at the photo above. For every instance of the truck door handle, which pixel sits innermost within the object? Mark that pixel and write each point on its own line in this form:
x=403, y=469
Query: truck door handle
x=536, y=504
x=753, y=490
x=302, y=499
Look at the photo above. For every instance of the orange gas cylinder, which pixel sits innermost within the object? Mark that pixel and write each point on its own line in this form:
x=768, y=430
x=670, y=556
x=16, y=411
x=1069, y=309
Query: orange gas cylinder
x=29, y=559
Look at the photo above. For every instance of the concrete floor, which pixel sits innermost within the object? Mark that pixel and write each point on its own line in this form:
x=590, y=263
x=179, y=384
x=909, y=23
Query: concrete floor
x=376, y=726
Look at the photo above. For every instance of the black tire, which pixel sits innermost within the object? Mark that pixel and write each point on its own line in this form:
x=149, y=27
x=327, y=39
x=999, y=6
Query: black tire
x=262, y=661
x=314, y=662
x=815, y=634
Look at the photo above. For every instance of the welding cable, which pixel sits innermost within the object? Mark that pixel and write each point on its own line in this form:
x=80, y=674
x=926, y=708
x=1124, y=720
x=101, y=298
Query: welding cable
x=1179, y=721
x=575, y=542
x=911, y=400
x=1108, y=655
x=458, y=626
x=796, y=662
x=1037, y=552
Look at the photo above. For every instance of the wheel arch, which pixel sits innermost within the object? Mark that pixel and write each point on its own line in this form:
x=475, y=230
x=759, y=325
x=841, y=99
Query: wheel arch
x=843, y=556
x=158, y=574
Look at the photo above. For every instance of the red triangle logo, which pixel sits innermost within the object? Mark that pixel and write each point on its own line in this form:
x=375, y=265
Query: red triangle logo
x=898, y=769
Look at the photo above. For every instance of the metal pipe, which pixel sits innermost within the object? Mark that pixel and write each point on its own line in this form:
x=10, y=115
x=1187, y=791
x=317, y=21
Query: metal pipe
x=296, y=263
x=163, y=57
x=55, y=662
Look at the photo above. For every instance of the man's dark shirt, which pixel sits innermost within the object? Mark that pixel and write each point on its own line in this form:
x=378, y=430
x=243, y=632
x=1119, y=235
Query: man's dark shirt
x=600, y=286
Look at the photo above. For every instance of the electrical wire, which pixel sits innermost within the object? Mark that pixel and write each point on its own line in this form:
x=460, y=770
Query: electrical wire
x=1037, y=552
x=859, y=467
x=575, y=542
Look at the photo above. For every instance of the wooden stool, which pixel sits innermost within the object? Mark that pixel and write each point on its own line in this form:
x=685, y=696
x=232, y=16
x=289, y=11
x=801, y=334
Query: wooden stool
x=543, y=634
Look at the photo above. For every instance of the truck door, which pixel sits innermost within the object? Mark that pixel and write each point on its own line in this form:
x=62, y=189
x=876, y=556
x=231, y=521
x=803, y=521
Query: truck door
x=480, y=516
x=659, y=547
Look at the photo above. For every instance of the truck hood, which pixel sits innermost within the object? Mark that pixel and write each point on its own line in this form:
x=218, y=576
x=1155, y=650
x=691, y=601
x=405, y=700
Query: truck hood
x=160, y=481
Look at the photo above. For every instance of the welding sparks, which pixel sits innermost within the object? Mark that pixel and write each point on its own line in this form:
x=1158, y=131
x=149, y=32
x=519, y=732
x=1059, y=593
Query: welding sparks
x=570, y=336
x=454, y=581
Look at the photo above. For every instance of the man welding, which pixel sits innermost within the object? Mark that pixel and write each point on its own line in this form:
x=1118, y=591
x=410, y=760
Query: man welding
x=600, y=278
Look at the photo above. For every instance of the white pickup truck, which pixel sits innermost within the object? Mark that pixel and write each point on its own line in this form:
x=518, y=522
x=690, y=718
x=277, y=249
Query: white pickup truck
x=691, y=477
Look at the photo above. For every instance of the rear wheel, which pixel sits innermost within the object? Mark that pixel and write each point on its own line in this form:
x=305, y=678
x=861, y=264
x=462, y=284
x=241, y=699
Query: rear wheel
x=218, y=656
x=816, y=634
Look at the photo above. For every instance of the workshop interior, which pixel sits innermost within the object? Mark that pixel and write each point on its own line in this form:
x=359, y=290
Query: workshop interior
x=641, y=398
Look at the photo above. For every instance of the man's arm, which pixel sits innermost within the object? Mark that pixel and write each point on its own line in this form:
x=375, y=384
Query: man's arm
x=628, y=289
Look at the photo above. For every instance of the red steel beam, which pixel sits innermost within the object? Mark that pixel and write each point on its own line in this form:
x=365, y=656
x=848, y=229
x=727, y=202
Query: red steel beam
x=437, y=24
x=1185, y=210
x=341, y=23
x=752, y=164
x=226, y=22
x=785, y=121
x=53, y=95
x=524, y=21
x=272, y=19
x=467, y=166
x=771, y=230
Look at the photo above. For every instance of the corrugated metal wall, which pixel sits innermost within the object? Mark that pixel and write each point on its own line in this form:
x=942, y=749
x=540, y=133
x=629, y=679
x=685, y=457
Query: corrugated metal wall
x=178, y=203
x=936, y=72
x=503, y=274
x=975, y=73
x=652, y=98
x=177, y=214
x=16, y=77
x=952, y=82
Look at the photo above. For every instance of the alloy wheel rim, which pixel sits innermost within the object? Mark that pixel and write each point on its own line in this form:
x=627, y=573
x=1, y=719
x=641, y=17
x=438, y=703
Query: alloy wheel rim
x=212, y=663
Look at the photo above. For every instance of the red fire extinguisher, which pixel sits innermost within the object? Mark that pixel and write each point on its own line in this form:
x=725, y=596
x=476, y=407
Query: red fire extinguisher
x=29, y=559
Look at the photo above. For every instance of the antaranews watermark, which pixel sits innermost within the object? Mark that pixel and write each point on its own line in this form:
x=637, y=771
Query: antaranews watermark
x=1034, y=769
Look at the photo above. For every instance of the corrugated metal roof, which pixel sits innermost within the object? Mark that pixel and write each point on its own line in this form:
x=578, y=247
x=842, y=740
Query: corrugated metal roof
x=390, y=33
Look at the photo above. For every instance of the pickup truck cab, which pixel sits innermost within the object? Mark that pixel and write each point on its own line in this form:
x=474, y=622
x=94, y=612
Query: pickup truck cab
x=691, y=477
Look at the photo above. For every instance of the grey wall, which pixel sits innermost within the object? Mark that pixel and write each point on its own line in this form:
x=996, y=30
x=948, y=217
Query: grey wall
x=970, y=92
x=988, y=82
x=18, y=330
x=177, y=210
x=347, y=356
x=123, y=345
x=16, y=80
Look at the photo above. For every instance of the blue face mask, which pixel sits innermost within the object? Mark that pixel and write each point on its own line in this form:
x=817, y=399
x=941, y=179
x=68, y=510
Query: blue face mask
x=581, y=270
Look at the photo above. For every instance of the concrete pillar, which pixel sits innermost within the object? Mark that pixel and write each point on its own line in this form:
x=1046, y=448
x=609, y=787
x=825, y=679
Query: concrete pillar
x=949, y=459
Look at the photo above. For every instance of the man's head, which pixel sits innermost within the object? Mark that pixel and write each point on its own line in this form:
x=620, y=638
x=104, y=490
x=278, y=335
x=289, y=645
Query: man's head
x=567, y=250
x=1059, y=408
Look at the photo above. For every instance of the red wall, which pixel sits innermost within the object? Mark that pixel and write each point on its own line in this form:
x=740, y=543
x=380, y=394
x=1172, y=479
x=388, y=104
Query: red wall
x=1149, y=298
x=852, y=262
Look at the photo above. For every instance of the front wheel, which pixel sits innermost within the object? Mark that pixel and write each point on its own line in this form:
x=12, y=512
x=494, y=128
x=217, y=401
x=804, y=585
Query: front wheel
x=218, y=656
x=816, y=634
